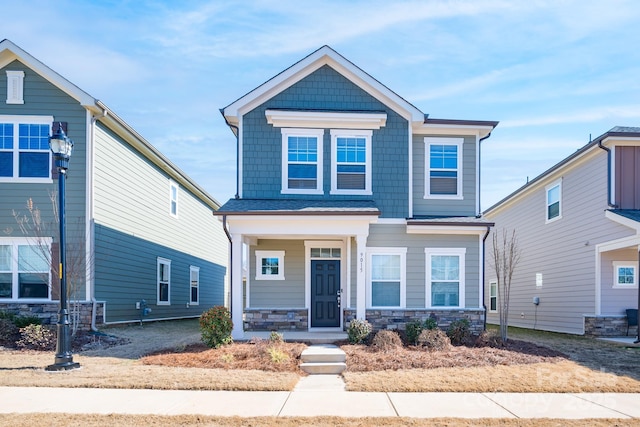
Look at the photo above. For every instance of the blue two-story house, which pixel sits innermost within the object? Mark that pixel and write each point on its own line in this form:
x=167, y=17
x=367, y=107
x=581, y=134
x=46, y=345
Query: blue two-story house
x=351, y=203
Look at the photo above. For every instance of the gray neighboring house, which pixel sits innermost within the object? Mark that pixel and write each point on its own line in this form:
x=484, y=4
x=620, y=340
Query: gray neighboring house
x=138, y=228
x=352, y=203
x=578, y=225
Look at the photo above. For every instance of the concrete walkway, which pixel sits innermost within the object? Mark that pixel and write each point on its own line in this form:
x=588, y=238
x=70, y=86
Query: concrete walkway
x=320, y=395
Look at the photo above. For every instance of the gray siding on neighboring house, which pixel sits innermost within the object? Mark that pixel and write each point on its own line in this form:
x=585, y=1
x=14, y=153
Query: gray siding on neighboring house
x=41, y=98
x=464, y=207
x=288, y=293
x=563, y=250
x=326, y=90
x=126, y=272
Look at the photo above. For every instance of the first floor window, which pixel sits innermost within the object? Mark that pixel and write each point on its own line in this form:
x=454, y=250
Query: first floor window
x=25, y=270
x=493, y=296
x=387, y=277
x=24, y=148
x=445, y=277
x=164, y=281
x=269, y=265
x=624, y=274
x=194, y=279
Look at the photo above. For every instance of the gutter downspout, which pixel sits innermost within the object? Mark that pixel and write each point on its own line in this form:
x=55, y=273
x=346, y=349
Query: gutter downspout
x=94, y=302
x=608, y=150
x=484, y=306
x=479, y=214
x=237, y=134
x=226, y=231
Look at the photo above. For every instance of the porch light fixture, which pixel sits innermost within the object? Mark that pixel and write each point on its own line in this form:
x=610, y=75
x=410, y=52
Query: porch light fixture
x=61, y=147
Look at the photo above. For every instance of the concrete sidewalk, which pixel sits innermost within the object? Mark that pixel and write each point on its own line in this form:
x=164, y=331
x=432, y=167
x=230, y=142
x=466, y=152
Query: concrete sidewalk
x=322, y=397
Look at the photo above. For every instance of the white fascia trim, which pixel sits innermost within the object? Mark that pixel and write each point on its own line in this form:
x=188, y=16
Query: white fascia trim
x=300, y=226
x=622, y=243
x=445, y=130
x=392, y=221
x=313, y=119
x=634, y=225
x=436, y=229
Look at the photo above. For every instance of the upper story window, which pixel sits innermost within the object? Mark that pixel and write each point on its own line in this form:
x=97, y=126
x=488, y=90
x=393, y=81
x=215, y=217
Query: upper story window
x=624, y=274
x=15, y=87
x=445, y=277
x=443, y=177
x=24, y=149
x=553, y=201
x=24, y=270
x=302, y=161
x=351, y=165
x=173, y=198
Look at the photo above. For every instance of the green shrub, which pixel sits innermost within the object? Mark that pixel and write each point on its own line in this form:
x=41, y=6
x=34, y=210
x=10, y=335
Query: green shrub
x=7, y=315
x=489, y=338
x=434, y=340
x=36, y=337
x=459, y=332
x=386, y=340
x=430, y=323
x=9, y=333
x=358, y=331
x=414, y=328
x=23, y=321
x=216, y=327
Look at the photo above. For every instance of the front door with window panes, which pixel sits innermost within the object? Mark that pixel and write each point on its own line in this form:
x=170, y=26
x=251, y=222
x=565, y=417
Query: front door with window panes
x=325, y=287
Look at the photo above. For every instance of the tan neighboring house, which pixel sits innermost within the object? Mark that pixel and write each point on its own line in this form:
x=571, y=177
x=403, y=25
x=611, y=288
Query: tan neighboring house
x=578, y=226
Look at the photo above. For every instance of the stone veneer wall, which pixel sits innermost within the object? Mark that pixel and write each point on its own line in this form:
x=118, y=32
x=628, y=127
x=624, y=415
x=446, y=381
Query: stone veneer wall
x=607, y=326
x=398, y=318
x=48, y=312
x=268, y=319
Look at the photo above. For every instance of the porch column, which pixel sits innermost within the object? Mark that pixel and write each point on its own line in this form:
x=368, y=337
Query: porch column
x=236, y=287
x=361, y=297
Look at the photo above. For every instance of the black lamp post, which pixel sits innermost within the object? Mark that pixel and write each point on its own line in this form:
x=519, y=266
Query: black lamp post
x=62, y=146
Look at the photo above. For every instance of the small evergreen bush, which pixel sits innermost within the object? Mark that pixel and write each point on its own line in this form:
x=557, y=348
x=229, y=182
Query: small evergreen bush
x=23, y=321
x=414, y=328
x=216, y=327
x=358, y=331
x=459, y=332
x=9, y=332
x=434, y=340
x=36, y=337
x=386, y=340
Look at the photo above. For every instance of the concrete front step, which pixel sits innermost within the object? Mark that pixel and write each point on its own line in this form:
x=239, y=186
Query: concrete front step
x=323, y=359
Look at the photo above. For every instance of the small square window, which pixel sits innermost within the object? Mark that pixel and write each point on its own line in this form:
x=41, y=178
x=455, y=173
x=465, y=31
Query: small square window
x=624, y=274
x=269, y=265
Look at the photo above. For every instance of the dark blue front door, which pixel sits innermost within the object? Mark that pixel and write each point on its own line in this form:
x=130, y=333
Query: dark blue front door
x=325, y=294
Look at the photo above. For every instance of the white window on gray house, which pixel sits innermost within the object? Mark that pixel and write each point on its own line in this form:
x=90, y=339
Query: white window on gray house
x=445, y=277
x=443, y=172
x=351, y=161
x=625, y=274
x=493, y=296
x=553, y=198
x=164, y=281
x=24, y=149
x=173, y=198
x=15, y=87
x=269, y=265
x=194, y=288
x=302, y=161
x=387, y=277
x=25, y=270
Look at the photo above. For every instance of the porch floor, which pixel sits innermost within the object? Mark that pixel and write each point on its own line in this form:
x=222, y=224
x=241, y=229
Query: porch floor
x=300, y=336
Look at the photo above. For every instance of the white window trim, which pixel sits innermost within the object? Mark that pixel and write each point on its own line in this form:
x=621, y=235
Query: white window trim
x=403, y=274
x=557, y=183
x=193, y=268
x=168, y=263
x=286, y=133
x=15, y=87
x=15, y=287
x=618, y=264
x=39, y=120
x=428, y=141
x=172, y=185
x=460, y=252
x=342, y=133
x=269, y=254
x=493, y=283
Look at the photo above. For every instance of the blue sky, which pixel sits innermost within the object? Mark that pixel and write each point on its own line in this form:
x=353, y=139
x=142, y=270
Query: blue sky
x=552, y=72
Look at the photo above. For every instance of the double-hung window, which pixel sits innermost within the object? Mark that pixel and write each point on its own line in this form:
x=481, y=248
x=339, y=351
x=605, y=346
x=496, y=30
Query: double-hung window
x=302, y=161
x=351, y=165
x=194, y=285
x=445, y=277
x=493, y=296
x=443, y=176
x=164, y=281
x=387, y=277
x=24, y=148
x=173, y=199
x=553, y=201
x=25, y=270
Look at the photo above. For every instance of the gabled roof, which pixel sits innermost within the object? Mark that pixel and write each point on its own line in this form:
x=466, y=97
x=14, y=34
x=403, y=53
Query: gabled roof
x=298, y=207
x=10, y=52
x=616, y=132
x=301, y=69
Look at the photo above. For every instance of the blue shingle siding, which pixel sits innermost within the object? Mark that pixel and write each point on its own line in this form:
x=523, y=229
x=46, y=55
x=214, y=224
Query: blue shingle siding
x=326, y=89
x=126, y=272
